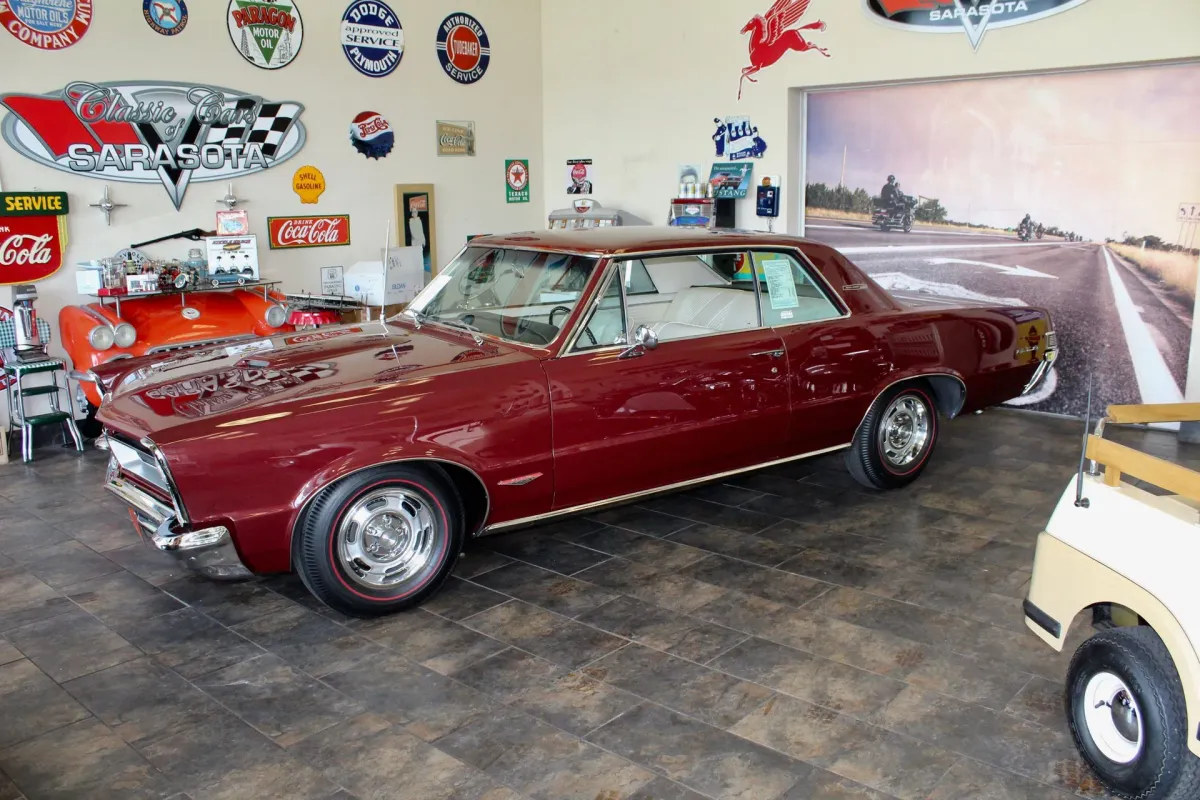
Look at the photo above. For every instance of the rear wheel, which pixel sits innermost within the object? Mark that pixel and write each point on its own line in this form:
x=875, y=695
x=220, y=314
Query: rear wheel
x=1128, y=716
x=381, y=540
x=895, y=440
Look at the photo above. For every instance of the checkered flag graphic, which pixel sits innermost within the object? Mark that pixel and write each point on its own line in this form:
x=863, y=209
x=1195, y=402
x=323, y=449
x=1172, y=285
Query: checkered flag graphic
x=270, y=125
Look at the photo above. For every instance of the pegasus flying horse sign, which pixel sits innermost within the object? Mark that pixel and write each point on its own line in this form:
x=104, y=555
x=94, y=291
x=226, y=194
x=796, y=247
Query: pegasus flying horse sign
x=973, y=16
x=772, y=36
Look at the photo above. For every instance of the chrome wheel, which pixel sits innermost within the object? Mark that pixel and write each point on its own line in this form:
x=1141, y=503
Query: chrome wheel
x=387, y=538
x=1113, y=718
x=904, y=431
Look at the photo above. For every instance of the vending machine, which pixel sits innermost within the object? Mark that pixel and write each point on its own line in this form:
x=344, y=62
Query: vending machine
x=584, y=213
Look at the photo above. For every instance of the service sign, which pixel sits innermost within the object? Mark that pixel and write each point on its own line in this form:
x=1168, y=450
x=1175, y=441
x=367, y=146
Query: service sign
x=974, y=17
x=463, y=48
x=46, y=24
x=153, y=132
x=33, y=235
x=372, y=38
x=292, y=232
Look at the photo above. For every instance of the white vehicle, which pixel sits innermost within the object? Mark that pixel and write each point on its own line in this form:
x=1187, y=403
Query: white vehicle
x=1130, y=557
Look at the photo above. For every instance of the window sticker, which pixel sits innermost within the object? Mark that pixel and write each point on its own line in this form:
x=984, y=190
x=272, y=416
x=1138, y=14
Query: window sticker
x=780, y=284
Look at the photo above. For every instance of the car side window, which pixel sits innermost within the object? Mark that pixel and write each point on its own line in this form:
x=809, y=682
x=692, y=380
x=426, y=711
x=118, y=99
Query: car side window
x=637, y=278
x=605, y=324
x=790, y=294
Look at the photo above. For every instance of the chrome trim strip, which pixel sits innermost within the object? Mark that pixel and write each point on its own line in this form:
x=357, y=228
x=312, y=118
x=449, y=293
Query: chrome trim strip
x=625, y=498
x=610, y=268
x=171, y=348
x=176, y=498
x=98, y=317
x=145, y=505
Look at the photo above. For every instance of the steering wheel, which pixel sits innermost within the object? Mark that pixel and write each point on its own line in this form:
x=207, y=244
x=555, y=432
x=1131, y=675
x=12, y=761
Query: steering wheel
x=565, y=309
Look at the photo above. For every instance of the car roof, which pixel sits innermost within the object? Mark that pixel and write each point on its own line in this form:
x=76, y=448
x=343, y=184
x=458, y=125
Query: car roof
x=629, y=239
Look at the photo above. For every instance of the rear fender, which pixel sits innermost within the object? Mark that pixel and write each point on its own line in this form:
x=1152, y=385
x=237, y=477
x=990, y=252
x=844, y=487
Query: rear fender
x=1066, y=582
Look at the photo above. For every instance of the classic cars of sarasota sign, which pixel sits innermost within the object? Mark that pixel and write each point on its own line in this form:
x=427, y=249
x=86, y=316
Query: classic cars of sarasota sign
x=974, y=17
x=323, y=231
x=153, y=132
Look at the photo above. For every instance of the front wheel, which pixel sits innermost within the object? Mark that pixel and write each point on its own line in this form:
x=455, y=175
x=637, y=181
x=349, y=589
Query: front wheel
x=1126, y=711
x=908, y=223
x=381, y=540
x=895, y=440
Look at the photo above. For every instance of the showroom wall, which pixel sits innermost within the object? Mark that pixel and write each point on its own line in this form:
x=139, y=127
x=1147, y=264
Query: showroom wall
x=505, y=105
x=637, y=90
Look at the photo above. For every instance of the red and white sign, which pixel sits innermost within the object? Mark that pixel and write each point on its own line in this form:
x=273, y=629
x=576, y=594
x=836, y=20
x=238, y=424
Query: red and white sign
x=289, y=232
x=30, y=249
x=46, y=25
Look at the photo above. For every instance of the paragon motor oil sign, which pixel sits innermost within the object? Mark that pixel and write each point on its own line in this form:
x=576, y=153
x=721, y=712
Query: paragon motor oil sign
x=153, y=132
x=974, y=17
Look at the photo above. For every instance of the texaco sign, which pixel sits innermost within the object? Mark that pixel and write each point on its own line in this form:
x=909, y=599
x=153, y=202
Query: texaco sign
x=974, y=17
x=153, y=132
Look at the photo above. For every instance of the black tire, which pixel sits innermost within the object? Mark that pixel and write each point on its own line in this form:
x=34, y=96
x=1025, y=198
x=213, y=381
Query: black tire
x=321, y=539
x=1163, y=768
x=89, y=426
x=866, y=459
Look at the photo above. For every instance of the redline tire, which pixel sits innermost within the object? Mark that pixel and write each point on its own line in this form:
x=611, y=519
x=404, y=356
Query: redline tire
x=869, y=459
x=381, y=540
x=1159, y=765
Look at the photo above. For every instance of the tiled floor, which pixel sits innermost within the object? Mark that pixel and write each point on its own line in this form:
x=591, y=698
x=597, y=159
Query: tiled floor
x=785, y=635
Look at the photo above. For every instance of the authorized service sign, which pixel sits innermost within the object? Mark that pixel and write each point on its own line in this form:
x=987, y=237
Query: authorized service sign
x=974, y=17
x=33, y=235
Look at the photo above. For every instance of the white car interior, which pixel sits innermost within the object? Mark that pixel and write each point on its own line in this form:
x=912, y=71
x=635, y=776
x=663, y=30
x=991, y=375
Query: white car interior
x=528, y=296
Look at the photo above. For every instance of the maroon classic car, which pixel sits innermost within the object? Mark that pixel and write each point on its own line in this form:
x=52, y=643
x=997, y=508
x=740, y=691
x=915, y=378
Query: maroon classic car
x=541, y=375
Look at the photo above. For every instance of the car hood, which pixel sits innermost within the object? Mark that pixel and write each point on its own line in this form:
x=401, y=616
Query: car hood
x=224, y=384
x=165, y=322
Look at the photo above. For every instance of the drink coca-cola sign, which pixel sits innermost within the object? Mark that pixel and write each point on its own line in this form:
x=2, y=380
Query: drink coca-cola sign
x=324, y=231
x=33, y=235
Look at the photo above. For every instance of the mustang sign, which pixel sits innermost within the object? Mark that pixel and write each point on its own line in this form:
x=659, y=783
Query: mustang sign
x=153, y=132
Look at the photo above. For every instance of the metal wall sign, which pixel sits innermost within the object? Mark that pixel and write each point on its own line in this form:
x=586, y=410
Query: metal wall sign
x=153, y=132
x=165, y=17
x=516, y=178
x=455, y=138
x=974, y=17
x=46, y=25
x=323, y=231
x=463, y=48
x=372, y=38
x=33, y=235
x=267, y=34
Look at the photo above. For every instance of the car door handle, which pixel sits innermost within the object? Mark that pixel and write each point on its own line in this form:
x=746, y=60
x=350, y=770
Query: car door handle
x=771, y=353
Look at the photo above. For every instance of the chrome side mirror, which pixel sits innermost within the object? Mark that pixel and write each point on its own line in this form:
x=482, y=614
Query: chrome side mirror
x=644, y=338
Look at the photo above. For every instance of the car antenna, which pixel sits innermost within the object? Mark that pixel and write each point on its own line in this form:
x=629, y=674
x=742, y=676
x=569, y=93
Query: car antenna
x=387, y=244
x=1080, y=500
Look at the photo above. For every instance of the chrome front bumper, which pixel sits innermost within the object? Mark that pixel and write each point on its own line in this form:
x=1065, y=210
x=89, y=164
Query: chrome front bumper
x=208, y=552
x=1048, y=359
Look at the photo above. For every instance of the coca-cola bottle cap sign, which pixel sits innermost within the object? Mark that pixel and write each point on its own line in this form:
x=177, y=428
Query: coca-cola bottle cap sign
x=33, y=235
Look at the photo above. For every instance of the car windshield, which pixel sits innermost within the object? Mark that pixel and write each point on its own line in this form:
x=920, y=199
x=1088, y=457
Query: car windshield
x=516, y=295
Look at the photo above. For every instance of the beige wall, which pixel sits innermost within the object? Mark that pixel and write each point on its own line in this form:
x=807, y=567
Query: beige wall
x=505, y=105
x=637, y=89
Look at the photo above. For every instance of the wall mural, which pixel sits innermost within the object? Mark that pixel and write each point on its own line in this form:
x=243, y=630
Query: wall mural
x=956, y=16
x=772, y=37
x=1060, y=190
x=153, y=132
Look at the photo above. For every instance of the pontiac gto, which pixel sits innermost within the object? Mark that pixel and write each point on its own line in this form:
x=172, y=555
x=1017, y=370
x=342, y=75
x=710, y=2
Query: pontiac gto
x=541, y=375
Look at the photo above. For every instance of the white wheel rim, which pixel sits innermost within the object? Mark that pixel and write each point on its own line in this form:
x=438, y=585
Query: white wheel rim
x=386, y=538
x=1113, y=718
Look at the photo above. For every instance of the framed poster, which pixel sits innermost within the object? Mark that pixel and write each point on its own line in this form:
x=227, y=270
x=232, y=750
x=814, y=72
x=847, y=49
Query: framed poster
x=415, y=222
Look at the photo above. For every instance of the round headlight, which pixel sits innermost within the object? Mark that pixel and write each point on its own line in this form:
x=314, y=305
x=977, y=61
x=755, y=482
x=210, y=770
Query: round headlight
x=276, y=316
x=124, y=335
x=101, y=337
